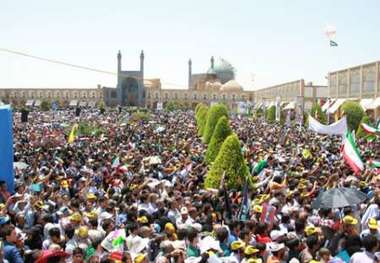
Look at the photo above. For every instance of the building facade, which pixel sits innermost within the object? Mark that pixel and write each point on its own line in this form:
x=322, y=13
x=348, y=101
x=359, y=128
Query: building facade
x=216, y=84
x=291, y=92
x=355, y=82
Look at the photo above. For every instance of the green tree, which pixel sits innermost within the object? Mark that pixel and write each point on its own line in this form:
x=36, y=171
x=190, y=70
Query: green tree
x=360, y=133
x=201, y=118
x=214, y=113
x=221, y=132
x=354, y=113
x=318, y=114
x=271, y=114
x=45, y=105
x=173, y=106
x=199, y=105
x=102, y=107
x=259, y=112
x=229, y=161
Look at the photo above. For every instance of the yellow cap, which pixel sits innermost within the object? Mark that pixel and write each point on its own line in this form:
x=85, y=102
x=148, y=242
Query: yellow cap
x=237, y=245
x=91, y=196
x=139, y=258
x=258, y=209
x=372, y=223
x=349, y=220
x=39, y=204
x=92, y=215
x=76, y=217
x=142, y=220
x=310, y=230
x=254, y=260
x=169, y=227
x=2, y=206
x=250, y=250
x=64, y=184
x=83, y=232
x=314, y=261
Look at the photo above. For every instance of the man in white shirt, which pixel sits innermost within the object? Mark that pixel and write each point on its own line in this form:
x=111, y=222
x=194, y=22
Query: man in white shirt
x=184, y=221
x=370, y=244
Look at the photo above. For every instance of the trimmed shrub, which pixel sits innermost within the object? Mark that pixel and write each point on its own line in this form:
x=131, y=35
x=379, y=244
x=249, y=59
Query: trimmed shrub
x=102, y=107
x=214, y=113
x=139, y=116
x=271, y=114
x=360, y=133
x=201, y=118
x=318, y=114
x=231, y=161
x=173, y=106
x=199, y=105
x=354, y=113
x=45, y=105
x=221, y=132
x=259, y=113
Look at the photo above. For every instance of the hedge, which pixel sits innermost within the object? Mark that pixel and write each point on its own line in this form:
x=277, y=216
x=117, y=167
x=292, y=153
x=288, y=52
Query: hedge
x=271, y=114
x=201, y=118
x=354, y=113
x=221, y=132
x=214, y=113
x=318, y=114
x=229, y=161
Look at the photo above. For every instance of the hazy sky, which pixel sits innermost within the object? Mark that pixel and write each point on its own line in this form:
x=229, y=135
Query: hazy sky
x=265, y=40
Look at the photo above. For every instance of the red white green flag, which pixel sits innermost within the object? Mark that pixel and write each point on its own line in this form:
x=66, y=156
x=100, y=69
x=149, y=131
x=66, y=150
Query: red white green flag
x=351, y=154
x=369, y=129
x=374, y=163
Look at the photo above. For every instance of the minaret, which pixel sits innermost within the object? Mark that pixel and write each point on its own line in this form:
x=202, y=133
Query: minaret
x=212, y=62
x=190, y=64
x=119, y=62
x=142, y=62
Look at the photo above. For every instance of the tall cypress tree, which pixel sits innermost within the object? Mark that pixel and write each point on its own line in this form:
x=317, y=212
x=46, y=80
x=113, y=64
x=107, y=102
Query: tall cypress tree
x=221, y=132
x=213, y=115
x=231, y=161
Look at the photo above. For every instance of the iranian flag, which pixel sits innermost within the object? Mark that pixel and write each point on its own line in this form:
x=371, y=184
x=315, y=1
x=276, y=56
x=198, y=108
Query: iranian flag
x=369, y=129
x=351, y=154
x=374, y=163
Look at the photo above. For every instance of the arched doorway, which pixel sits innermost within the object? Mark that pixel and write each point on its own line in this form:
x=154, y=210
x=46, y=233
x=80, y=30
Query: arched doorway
x=130, y=92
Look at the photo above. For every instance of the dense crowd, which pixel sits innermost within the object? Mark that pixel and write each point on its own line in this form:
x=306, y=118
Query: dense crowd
x=134, y=193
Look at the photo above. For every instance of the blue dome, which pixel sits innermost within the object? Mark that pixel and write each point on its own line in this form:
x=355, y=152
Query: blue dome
x=223, y=70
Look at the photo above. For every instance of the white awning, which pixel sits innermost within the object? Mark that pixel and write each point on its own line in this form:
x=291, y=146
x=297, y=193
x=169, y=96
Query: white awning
x=333, y=108
x=375, y=104
x=37, y=103
x=29, y=103
x=327, y=104
x=271, y=104
x=73, y=103
x=290, y=106
x=366, y=103
x=83, y=103
x=92, y=104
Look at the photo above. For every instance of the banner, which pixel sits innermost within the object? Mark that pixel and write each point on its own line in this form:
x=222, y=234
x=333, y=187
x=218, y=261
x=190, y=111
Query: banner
x=337, y=128
x=6, y=146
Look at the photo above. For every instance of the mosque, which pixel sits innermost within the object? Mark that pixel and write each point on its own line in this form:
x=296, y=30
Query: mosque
x=216, y=84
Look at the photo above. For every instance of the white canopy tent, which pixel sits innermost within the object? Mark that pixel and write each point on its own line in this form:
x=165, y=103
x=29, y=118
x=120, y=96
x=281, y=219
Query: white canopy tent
x=366, y=103
x=29, y=103
x=327, y=104
x=290, y=106
x=375, y=104
x=332, y=109
x=73, y=103
x=37, y=103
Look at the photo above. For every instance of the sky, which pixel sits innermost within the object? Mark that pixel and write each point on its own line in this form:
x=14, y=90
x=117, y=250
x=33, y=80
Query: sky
x=268, y=42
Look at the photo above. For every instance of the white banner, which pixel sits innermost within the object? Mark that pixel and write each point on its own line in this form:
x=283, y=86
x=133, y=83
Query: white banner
x=337, y=128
